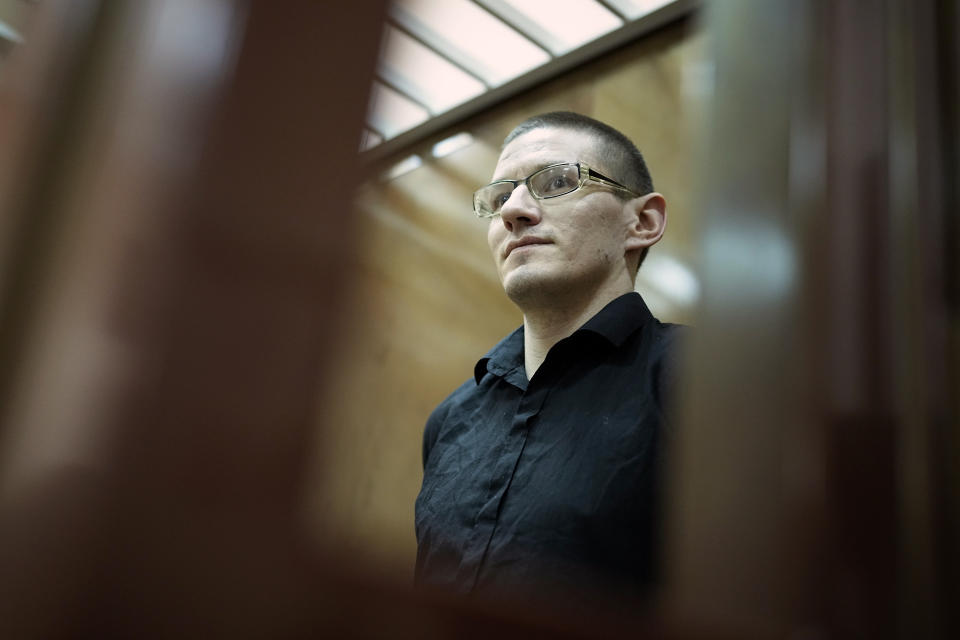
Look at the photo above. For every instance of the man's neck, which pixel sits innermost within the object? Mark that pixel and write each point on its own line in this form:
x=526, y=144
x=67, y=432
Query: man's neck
x=545, y=327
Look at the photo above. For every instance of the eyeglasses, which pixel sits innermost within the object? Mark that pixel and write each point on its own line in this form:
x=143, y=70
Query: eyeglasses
x=549, y=182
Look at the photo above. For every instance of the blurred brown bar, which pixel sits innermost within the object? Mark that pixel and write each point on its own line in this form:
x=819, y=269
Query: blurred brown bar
x=816, y=486
x=176, y=202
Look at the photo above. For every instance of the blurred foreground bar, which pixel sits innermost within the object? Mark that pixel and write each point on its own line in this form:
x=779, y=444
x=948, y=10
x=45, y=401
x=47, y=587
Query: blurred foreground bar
x=816, y=481
x=176, y=186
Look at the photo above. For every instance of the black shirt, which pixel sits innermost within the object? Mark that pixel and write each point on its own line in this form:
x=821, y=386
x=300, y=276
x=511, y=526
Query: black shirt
x=550, y=486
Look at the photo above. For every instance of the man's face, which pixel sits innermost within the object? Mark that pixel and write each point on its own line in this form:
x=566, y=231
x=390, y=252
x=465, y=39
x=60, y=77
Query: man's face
x=572, y=245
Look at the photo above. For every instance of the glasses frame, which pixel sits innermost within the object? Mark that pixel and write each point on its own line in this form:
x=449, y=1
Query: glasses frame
x=586, y=173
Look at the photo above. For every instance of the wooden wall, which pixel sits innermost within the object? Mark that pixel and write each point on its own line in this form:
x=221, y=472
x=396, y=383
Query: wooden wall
x=428, y=303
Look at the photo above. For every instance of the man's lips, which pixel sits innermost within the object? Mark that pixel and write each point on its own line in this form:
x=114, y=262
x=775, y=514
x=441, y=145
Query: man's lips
x=523, y=242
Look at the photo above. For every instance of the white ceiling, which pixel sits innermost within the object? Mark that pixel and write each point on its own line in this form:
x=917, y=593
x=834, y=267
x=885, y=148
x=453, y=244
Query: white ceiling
x=442, y=60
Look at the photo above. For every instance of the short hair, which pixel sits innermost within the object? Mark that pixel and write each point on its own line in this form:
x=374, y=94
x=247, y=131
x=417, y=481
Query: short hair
x=622, y=159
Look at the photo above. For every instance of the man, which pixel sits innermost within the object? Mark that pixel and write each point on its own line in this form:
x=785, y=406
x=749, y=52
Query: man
x=541, y=471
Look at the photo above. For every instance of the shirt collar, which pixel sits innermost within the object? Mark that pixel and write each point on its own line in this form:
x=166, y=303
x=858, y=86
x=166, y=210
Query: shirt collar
x=619, y=319
x=504, y=358
x=615, y=323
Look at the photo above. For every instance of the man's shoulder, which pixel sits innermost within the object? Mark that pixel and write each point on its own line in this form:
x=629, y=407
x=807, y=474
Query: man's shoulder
x=666, y=341
x=502, y=358
x=671, y=334
x=439, y=415
x=666, y=358
x=455, y=398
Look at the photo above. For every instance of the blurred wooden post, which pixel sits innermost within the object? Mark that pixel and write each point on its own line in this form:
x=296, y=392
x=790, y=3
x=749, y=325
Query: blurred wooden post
x=176, y=206
x=815, y=486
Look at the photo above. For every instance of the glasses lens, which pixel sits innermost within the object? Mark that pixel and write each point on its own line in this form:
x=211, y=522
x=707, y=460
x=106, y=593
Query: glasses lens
x=555, y=181
x=488, y=200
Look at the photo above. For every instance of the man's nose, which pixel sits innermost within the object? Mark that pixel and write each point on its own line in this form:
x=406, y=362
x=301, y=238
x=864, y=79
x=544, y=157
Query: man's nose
x=520, y=209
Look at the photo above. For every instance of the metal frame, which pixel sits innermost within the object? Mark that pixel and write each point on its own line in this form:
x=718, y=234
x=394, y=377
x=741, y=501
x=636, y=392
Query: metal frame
x=627, y=33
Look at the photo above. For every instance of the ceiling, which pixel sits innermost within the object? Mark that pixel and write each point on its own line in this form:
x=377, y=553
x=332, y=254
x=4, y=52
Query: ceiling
x=443, y=60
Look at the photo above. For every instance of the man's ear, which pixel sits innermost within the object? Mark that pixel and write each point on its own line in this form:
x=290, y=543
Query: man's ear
x=648, y=221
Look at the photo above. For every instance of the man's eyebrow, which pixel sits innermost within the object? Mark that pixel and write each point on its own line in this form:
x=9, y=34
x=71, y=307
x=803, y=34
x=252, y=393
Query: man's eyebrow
x=527, y=170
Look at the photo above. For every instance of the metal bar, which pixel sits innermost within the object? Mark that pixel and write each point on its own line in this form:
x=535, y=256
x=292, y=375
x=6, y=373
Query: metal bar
x=374, y=130
x=609, y=6
x=387, y=82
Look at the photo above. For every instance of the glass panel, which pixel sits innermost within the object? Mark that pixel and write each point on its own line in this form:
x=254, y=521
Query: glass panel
x=406, y=165
x=424, y=75
x=472, y=36
x=569, y=23
x=391, y=113
x=634, y=9
x=452, y=144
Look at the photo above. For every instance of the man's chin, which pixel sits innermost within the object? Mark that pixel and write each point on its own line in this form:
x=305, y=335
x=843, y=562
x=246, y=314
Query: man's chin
x=529, y=286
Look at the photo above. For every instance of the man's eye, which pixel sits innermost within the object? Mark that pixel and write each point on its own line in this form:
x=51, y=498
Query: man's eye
x=501, y=200
x=558, y=183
